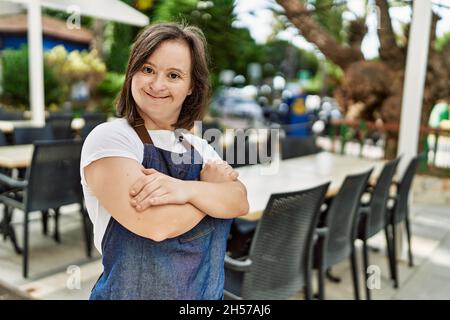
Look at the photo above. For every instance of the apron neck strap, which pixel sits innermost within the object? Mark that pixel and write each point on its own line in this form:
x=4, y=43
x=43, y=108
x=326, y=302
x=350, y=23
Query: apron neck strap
x=141, y=130
x=139, y=127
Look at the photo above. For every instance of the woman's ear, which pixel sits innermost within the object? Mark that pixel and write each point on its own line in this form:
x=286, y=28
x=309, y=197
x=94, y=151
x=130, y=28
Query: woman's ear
x=190, y=91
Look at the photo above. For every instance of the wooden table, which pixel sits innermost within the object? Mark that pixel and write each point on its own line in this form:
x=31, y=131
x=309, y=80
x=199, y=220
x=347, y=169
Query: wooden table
x=300, y=173
x=18, y=156
x=8, y=126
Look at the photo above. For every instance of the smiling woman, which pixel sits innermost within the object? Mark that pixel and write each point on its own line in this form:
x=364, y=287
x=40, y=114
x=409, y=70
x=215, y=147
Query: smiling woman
x=160, y=225
x=163, y=83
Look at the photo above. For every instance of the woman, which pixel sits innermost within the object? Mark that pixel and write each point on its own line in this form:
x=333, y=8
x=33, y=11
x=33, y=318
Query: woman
x=161, y=224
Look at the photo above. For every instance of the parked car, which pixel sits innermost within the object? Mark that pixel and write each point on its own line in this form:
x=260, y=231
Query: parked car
x=236, y=106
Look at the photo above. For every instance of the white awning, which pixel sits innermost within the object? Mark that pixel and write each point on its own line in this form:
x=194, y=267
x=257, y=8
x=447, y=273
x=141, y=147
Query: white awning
x=111, y=10
x=9, y=8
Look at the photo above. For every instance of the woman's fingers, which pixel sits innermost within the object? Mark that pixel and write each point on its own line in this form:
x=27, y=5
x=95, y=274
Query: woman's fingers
x=161, y=200
x=142, y=181
x=148, y=190
x=144, y=202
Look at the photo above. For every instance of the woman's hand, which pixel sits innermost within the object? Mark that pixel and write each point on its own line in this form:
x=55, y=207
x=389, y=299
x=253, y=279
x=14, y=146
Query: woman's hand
x=156, y=188
x=218, y=171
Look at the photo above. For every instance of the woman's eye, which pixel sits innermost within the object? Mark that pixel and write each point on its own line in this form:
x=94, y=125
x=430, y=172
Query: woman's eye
x=147, y=70
x=174, y=76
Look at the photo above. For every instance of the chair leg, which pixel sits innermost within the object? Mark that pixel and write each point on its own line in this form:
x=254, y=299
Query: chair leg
x=87, y=231
x=9, y=230
x=25, y=246
x=45, y=222
x=321, y=281
x=394, y=255
x=366, y=267
x=389, y=251
x=354, y=265
x=308, y=285
x=332, y=277
x=408, y=236
x=56, y=235
x=4, y=222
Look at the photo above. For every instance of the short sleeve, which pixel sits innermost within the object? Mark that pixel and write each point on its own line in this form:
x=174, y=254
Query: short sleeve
x=108, y=140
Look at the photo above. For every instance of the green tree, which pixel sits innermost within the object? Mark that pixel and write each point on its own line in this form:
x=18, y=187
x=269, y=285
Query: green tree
x=229, y=47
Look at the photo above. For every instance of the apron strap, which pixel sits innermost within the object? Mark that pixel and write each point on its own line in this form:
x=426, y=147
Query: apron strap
x=139, y=127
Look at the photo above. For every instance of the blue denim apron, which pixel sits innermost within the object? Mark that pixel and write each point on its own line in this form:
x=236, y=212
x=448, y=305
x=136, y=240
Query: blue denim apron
x=190, y=266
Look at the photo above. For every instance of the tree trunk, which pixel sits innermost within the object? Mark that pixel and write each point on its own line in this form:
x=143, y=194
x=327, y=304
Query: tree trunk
x=373, y=89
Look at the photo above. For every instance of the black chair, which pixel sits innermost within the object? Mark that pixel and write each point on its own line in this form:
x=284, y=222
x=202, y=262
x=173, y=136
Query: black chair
x=27, y=135
x=53, y=180
x=91, y=120
x=337, y=233
x=399, y=212
x=61, y=125
x=11, y=115
x=3, y=141
x=292, y=147
x=279, y=262
x=373, y=215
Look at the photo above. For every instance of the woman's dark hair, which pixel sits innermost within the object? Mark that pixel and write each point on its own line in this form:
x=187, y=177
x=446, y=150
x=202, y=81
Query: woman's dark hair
x=194, y=106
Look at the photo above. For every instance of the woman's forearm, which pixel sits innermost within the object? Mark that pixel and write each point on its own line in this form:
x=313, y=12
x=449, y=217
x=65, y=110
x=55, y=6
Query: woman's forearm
x=224, y=200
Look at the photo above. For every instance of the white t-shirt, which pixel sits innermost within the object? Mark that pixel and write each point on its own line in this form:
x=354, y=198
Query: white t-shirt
x=118, y=139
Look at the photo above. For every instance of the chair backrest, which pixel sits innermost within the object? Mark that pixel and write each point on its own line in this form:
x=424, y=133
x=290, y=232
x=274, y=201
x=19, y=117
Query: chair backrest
x=11, y=115
x=380, y=197
x=341, y=218
x=27, y=135
x=61, y=124
x=54, y=175
x=292, y=147
x=281, y=247
x=3, y=141
x=404, y=188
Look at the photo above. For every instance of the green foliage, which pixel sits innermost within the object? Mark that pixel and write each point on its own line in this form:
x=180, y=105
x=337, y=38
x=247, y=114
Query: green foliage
x=108, y=89
x=15, y=80
x=122, y=38
x=15, y=76
x=61, y=70
x=442, y=41
x=329, y=15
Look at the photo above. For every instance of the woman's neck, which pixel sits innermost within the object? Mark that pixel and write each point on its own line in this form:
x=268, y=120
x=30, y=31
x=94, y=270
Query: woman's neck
x=150, y=124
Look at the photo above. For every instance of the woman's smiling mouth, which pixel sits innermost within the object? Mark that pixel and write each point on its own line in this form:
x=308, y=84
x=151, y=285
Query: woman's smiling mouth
x=154, y=97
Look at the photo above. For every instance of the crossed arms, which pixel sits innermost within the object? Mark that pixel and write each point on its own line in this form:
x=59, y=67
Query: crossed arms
x=157, y=206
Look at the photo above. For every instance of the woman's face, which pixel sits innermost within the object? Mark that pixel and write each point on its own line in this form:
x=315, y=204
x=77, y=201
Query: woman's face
x=161, y=85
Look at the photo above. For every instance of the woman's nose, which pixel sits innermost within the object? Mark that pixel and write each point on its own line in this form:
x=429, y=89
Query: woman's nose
x=157, y=84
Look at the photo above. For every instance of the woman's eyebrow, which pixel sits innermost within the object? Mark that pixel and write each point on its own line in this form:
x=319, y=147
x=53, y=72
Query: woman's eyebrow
x=175, y=69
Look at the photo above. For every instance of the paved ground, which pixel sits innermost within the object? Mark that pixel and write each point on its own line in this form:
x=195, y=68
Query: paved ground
x=62, y=271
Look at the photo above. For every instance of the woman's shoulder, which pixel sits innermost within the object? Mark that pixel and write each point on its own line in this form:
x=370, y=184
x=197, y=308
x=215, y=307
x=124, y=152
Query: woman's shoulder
x=111, y=129
x=116, y=134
